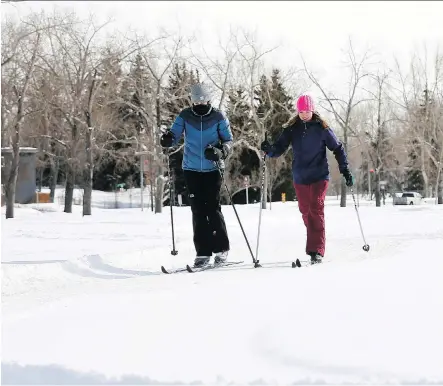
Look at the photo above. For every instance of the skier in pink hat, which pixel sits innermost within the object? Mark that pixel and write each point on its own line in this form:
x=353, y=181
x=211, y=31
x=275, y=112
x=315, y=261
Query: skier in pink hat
x=309, y=136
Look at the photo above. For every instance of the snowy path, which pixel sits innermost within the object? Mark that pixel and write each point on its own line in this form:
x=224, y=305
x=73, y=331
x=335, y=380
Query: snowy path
x=84, y=301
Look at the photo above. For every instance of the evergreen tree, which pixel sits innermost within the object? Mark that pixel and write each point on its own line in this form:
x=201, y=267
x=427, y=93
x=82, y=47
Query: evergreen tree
x=178, y=91
x=238, y=111
x=110, y=165
x=124, y=136
x=275, y=107
x=243, y=161
x=414, y=176
x=382, y=158
x=177, y=98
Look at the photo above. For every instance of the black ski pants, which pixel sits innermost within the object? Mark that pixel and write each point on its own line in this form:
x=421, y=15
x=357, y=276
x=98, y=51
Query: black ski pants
x=210, y=234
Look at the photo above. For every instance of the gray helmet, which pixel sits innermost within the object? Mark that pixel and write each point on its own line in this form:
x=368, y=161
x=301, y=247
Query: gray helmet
x=200, y=93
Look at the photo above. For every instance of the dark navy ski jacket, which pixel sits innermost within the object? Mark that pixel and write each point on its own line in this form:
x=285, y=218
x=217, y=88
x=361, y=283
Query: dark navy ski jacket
x=309, y=141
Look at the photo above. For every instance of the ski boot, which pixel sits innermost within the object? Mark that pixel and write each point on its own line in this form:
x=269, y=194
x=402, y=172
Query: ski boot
x=316, y=258
x=220, y=257
x=201, y=261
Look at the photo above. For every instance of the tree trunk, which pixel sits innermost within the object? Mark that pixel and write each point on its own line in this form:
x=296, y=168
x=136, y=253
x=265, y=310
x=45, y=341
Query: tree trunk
x=70, y=171
x=423, y=170
x=439, y=186
x=269, y=193
x=40, y=180
x=265, y=190
x=10, y=197
x=54, y=177
x=159, y=194
x=12, y=180
x=160, y=182
x=69, y=189
x=264, y=194
x=344, y=188
x=13, y=172
x=151, y=182
x=151, y=194
x=4, y=136
x=377, y=188
x=159, y=189
x=88, y=174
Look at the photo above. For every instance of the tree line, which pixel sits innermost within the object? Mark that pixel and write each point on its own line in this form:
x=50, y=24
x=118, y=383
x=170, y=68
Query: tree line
x=93, y=101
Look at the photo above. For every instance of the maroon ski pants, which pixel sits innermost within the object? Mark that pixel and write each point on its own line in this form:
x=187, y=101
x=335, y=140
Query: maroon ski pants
x=311, y=202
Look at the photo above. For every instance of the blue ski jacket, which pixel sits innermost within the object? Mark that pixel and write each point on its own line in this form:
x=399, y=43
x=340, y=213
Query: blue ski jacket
x=200, y=131
x=309, y=141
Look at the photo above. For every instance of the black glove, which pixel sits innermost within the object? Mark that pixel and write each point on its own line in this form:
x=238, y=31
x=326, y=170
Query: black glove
x=266, y=146
x=348, y=177
x=166, y=139
x=213, y=154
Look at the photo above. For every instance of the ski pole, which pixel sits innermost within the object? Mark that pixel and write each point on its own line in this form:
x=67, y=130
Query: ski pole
x=261, y=200
x=366, y=246
x=174, y=251
x=254, y=260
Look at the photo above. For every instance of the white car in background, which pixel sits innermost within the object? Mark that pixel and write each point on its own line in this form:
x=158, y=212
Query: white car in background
x=407, y=198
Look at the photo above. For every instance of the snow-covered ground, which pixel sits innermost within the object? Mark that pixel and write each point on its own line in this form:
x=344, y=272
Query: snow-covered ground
x=83, y=301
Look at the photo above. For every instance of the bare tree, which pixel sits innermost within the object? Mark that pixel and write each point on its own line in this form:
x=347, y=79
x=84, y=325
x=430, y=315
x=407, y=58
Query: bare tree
x=421, y=104
x=380, y=150
x=13, y=34
x=249, y=68
x=41, y=118
x=98, y=99
x=89, y=167
x=410, y=96
x=22, y=65
x=219, y=71
x=42, y=127
x=74, y=62
x=150, y=103
x=434, y=119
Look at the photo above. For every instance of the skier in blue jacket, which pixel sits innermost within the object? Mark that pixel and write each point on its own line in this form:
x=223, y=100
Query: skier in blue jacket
x=309, y=136
x=207, y=143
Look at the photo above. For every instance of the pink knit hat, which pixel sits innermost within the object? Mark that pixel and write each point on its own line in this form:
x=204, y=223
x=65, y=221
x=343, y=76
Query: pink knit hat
x=305, y=103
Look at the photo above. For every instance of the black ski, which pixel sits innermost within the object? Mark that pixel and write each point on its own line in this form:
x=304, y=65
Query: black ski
x=306, y=263
x=294, y=264
x=211, y=266
x=169, y=271
x=188, y=268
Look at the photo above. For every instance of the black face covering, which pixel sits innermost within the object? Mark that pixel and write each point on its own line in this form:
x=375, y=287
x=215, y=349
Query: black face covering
x=201, y=109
